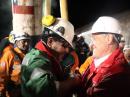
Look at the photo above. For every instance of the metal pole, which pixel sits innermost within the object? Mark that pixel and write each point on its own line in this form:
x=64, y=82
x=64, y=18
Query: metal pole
x=38, y=16
x=64, y=9
x=23, y=16
x=47, y=10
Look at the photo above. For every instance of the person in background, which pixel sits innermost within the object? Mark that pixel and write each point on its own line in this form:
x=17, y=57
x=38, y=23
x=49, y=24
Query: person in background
x=42, y=75
x=81, y=48
x=122, y=43
x=91, y=48
x=109, y=73
x=6, y=42
x=69, y=63
x=88, y=61
x=126, y=51
x=10, y=60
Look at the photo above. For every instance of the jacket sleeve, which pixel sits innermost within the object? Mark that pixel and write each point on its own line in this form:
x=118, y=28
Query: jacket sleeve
x=4, y=70
x=113, y=86
x=7, y=73
x=67, y=87
x=41, y=83
x=37, y=79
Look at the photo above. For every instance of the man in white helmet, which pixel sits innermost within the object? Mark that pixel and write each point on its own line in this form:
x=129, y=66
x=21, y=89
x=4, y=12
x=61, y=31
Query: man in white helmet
x=42, y=75
x=122, y=43
x=126, y=51
x=109, y=73
x=10, y=61
x=20, y=40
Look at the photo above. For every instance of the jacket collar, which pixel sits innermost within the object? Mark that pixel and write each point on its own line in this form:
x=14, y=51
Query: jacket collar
x=56, y=67
x=117, y=57
x=42, y=47
x=98, y=62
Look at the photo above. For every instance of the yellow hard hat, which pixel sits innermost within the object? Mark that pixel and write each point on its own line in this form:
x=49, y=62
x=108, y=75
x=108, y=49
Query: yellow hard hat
x=48, y=20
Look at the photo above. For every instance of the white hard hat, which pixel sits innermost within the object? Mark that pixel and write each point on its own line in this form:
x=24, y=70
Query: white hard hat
x=122, y=39
x=18, y=36
x=106, y=24
x=126, y=47
x=86, y=36
x=64, y=29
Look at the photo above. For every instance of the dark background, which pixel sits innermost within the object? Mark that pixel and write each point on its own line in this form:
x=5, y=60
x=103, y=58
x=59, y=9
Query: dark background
x=81, y=12
x=5, y=17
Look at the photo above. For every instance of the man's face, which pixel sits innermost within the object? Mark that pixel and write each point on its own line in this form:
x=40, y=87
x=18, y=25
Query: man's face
x=60, y=46
x=99, y=45
x=23, y=44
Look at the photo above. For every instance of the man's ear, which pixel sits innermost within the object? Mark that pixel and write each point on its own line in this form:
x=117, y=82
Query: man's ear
x=50, y=40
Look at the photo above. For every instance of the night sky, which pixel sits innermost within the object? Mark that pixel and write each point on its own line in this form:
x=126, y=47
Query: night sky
x=81, y=12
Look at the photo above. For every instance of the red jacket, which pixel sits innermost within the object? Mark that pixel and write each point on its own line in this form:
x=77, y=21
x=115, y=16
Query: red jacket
x=57, y=70
x=110, y=79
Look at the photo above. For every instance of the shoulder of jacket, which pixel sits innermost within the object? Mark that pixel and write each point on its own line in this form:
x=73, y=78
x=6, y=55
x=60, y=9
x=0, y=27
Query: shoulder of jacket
x=34, y=55
x=34, y=52
x=8, y=51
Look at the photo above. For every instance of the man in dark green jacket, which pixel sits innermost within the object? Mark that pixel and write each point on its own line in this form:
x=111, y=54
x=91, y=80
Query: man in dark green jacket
x=42, y=75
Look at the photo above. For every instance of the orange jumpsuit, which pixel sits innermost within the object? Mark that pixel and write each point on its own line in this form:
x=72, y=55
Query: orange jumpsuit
x=85, y=65
x=10, y=71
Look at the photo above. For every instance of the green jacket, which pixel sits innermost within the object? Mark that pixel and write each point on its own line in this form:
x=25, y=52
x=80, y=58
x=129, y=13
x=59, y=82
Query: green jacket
x=39, y=71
